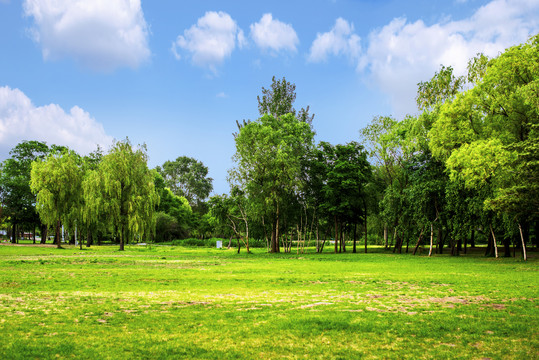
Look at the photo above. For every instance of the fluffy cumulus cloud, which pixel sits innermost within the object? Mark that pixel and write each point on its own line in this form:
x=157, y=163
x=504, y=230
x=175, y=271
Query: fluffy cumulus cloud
x=340, y=40
x=99, y=34
x=21, y=120
x=210, y=41
x=402, y=53
x=274, y=35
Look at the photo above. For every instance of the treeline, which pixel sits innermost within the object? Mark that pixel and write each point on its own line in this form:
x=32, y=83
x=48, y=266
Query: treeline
x=468, y=164
x=466, y=167
x=100, y=197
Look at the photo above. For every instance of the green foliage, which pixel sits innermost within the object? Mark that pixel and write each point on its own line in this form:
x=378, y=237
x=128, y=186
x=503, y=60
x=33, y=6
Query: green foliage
x=269, y=153
x=122, y=187
x=279, y=99
x=57, y=182
x=187, y=177
x=18, y=201
x=482, y=130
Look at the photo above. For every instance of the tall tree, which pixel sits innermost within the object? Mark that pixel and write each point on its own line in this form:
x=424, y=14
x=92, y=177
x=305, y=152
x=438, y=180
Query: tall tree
x=279, y=99
x=269, y=154
x=57, y=184
x=17, y=199
x=188, y=177
x=123, y=188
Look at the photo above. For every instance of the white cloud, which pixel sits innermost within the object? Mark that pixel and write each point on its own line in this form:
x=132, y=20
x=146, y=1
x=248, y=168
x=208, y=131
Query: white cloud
x=21, y=120
x=401, y=54
x=222, y=95
x=99, y=34
x=274, y=35
x=211, y=40
x=340, y=40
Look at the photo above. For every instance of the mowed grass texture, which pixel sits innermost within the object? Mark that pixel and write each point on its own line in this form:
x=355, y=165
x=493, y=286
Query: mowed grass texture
x=168, y=302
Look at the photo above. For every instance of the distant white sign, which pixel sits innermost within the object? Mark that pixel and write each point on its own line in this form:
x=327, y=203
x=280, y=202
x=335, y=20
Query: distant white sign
x=219, y=244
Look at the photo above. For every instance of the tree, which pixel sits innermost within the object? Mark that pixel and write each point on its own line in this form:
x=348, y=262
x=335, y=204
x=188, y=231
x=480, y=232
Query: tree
x=279, y=100
x=123, y=188
x=57, y=184
x=487, y=132
x=268, y=156
x=188, y=177
x=174, y=214
x=18, y=201
x=347, y=174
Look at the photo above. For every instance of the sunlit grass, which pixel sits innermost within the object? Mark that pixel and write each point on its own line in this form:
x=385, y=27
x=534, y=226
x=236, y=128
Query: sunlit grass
x=158, y=302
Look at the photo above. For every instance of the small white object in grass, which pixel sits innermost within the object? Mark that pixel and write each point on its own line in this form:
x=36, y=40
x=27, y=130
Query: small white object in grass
x=219, y=244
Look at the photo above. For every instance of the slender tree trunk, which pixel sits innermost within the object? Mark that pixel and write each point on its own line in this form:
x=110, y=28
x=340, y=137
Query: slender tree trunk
x=494, y=242
x=343, y=239
x=465, y=243
x=385, y=237
x=34, y=234
x=355, y=238
x=336, y=235
x=419, y=240
x=317, y=237
x=366, y=235
x=440, y=240
x=431, y=238
x=523, y=242
x=58, y=234
x=122, y=239
x=265, y=234
x=239, y=244
x=472, y=240
x=230, y=242
x=393, y=238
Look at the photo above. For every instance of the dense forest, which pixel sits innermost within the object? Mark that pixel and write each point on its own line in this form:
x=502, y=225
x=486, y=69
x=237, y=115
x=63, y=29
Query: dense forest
x=464, y=170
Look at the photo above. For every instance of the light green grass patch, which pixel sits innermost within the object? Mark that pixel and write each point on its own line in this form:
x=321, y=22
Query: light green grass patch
x=171, y=302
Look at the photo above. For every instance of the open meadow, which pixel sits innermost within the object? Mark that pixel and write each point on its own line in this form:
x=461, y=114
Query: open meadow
x=174, y=302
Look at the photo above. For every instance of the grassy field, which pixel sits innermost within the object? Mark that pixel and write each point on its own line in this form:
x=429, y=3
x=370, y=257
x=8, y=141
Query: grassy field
x=171, y=302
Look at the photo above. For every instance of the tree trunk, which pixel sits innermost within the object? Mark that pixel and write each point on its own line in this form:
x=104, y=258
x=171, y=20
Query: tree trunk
x=440, y=238
x=472, y=240
x=336, y=235
x=366, y=235
x=343, y=239
x=34, y=234
x=122, y=236
x=385, y=237
x=88, y=238
x=14, y=233
x=494, y=242
x=355, y=238
x=44, y=233
x=419, y=240
x=57, y=237
x=523, y=242
x=431, y=238
x=239, y=244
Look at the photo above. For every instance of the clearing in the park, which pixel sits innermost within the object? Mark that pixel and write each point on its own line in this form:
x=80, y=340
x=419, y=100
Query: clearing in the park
x=173, y=302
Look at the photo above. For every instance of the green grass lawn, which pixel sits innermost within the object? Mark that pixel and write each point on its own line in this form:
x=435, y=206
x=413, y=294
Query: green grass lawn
x=171, y=302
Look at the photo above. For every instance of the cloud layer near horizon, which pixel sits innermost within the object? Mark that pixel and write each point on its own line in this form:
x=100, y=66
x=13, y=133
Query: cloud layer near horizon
x=21, y=120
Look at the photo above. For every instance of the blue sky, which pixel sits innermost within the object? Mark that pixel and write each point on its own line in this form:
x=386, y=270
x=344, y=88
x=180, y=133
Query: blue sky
x=176, y=75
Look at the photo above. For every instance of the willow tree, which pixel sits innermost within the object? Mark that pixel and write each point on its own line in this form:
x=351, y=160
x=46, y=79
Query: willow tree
x=57, y=183
x=122, y=187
